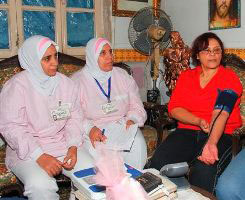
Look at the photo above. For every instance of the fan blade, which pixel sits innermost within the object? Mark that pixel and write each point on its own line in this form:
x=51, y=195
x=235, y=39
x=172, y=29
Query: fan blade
x=165, y=23
x=143, y=20
x=143, y=43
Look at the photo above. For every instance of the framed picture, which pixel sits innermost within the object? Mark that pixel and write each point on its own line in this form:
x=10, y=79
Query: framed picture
x=224, y=14
x=127, y=8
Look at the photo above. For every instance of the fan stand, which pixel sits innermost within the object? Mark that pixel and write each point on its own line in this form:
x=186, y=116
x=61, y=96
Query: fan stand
x=154, y=93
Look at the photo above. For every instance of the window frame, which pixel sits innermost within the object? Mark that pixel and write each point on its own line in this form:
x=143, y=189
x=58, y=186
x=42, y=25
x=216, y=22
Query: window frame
x=16, y=29
x=13, y=41
x=97, y=24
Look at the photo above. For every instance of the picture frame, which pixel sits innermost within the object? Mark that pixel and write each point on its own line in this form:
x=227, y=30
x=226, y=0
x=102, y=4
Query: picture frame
x=127, y=8
x=223, y=15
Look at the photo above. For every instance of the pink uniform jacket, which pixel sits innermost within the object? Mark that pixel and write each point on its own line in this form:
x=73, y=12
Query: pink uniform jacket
x=124, y=92
x=26, y=122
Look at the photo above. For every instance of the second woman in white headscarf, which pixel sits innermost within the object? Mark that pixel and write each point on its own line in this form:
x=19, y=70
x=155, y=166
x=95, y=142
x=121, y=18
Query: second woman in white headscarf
x=110, y=95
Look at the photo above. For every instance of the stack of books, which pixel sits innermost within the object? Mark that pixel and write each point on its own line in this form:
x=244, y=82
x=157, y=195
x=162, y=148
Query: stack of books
x=157, y=187
x=166, y=191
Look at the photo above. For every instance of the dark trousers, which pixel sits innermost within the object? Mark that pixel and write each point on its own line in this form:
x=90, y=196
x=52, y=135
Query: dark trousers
x=185, y=145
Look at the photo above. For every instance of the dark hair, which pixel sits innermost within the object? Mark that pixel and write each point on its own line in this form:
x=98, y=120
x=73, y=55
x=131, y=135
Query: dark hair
x=201, y=43
x=232, y=10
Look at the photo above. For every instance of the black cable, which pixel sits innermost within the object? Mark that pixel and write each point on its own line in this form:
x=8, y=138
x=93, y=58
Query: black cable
x=216, y=119
x=208, y=135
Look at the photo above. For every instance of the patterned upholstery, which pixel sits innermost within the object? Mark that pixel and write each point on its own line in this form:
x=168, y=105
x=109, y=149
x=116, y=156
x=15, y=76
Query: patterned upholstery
x=241, y=73
x=7, y=73
x=8, y=181
x=68, y=65
x=238, y=65
x=239, y=133
x=68, y=69
x=150, y=135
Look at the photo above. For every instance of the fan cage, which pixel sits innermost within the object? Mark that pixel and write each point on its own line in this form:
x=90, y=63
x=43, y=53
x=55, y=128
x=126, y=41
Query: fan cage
x=139, y=38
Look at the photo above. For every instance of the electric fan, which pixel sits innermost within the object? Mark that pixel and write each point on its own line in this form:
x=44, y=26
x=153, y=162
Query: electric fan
x=149, y=34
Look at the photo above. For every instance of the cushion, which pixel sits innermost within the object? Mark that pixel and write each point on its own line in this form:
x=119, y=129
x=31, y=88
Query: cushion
x=7, y=73
x=150, y=135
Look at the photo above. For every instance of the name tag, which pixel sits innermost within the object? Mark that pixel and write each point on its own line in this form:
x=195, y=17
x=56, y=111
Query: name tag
x=61, y=112
x=109, y=107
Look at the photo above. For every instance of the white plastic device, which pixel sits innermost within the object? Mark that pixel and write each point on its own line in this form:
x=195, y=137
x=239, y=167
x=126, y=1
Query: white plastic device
x=174, y=170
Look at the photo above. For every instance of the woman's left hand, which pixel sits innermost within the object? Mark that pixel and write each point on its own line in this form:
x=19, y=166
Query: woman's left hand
x=129, y=123
x=209, y=154
x=71, y=158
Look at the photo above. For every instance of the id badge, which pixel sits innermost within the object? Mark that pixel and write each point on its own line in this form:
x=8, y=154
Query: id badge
x=61, y=112
x=109, y=107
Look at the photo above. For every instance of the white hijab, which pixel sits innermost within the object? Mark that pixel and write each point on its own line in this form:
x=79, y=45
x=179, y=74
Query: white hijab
x=30, y=55
x=93, y=49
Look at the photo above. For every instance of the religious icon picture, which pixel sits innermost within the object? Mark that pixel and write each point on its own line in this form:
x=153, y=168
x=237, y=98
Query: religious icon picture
x=224, y=14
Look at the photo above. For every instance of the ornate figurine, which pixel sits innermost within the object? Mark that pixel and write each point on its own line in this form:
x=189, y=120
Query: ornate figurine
x=176, y=59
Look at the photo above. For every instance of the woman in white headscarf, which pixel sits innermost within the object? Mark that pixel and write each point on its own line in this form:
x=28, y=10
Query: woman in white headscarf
x=109, y=96
x=40, y=119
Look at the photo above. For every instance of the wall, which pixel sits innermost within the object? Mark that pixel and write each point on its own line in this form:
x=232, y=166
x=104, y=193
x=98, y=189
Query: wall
x=190, y=18
x=120, y=41
x=120, y=30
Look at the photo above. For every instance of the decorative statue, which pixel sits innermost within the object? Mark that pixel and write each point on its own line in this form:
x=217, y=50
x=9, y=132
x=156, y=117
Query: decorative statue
x=176, y=59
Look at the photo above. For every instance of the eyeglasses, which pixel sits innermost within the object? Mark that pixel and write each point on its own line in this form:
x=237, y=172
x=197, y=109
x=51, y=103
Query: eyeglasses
x=209, y=51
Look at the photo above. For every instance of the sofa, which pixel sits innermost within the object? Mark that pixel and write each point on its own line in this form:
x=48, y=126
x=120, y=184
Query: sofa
x=9, y=184
x=155, y=129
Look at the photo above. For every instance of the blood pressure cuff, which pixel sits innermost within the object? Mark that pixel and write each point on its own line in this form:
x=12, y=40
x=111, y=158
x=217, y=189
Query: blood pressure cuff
x=226, y=99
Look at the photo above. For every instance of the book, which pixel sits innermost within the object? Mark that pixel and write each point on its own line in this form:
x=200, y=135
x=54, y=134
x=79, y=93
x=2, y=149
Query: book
x=167, y=190
x=149, y=181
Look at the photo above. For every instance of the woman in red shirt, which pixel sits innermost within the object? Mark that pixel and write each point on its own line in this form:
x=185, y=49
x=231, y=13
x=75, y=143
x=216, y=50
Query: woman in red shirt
x=205, y=103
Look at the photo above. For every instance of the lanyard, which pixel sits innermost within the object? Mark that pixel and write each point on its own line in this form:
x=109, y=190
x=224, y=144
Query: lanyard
x=103, y=91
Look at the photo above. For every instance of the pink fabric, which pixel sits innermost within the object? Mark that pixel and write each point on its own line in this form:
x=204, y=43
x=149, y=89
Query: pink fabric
x=26, y=122
x=43, y=41
x=124, y=92
x=98, y=43
x=127, y=189
x=112, y=174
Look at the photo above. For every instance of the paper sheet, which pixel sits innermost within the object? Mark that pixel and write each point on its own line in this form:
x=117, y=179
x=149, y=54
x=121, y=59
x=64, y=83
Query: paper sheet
x=118, y=138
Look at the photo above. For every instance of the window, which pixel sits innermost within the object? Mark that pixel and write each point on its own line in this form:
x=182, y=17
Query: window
x=71, y=23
